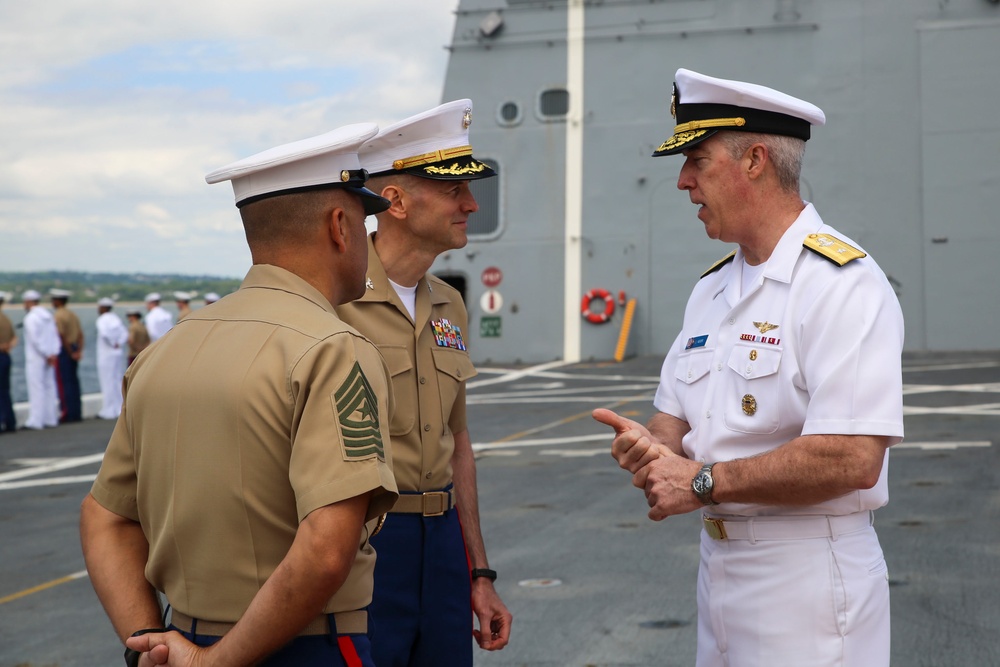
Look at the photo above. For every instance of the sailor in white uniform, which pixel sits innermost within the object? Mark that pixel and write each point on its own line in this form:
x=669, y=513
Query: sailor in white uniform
x=158, y=320
x=778, y=400
x=112, y=335
x=41, y=352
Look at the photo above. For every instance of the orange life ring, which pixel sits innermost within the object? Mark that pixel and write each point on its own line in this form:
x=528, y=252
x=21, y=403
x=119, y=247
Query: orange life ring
x=605, y=314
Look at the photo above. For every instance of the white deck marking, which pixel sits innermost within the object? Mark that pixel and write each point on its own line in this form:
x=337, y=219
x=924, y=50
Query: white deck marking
x=943, y=445
x=61, y=463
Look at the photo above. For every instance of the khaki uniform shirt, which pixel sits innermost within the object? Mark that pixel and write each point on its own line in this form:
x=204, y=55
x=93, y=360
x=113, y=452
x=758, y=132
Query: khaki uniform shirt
x=6, y=332
x=429, y=366
x=238, y=425
x=138, y=338
x=69, y=327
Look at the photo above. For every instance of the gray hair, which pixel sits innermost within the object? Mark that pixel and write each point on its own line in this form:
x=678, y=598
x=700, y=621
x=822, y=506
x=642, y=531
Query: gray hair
x=785, y=153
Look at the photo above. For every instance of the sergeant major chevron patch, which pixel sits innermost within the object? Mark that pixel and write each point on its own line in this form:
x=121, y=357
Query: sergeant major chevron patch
x=357, y=411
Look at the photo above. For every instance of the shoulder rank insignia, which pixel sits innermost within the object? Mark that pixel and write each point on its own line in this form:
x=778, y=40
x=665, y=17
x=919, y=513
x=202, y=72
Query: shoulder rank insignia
x=357, y=411
x=721, y=263
x=832, y=248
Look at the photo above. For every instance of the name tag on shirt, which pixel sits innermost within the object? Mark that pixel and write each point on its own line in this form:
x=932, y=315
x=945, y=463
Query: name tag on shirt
x=696, y=341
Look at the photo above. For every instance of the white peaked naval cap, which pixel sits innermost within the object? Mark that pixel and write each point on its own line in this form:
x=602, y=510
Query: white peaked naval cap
x=31, y=295
x=106, y=301
x=432, y=144
x=704, y=105
x=152, y=296
x=326, y=161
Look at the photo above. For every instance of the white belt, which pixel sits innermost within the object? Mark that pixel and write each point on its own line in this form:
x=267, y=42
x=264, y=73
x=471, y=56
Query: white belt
x=785, y=527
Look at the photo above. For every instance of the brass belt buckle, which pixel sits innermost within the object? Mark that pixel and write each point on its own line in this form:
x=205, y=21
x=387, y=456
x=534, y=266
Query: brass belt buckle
x=715, y=528
x=432, y=508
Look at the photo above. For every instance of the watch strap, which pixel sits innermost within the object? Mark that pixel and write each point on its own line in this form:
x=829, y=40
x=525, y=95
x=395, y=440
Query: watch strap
x=483, y=572
x=704, y=495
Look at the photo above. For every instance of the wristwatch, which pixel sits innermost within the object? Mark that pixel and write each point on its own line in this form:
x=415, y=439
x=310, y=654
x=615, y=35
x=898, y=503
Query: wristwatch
x=702, y=484
x=483, y=572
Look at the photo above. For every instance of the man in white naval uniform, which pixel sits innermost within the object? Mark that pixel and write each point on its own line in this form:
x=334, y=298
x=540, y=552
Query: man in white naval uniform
x=41, y=352
x=158, y=320
x=778, y=401
x=112, y=335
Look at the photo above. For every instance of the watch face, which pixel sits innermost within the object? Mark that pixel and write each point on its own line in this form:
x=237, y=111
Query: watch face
x=702, y=484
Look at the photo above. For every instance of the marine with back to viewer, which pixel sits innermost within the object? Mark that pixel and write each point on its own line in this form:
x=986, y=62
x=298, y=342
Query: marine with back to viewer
x=251, y=462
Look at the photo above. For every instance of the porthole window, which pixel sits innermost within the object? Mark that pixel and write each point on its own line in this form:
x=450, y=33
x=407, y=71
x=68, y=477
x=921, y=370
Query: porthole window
x=509, y=114
x=553, y=104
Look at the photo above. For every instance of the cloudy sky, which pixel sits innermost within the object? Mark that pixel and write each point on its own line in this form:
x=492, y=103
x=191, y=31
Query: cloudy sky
x=112, y=112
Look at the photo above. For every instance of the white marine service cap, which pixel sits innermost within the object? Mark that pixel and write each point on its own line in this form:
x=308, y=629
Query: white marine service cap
x=182, y=296
x=433, y=144
x=326, y=161
x=57, y=293
x=704, y=105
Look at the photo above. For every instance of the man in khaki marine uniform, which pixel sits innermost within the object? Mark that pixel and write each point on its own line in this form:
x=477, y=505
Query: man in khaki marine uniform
x=251, y=463
x=138, y=337
x=183, y=301
x=67, y=370
x=431, y=545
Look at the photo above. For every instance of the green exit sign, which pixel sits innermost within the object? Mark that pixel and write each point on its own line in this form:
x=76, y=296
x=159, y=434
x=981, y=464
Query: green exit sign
x=490, y=327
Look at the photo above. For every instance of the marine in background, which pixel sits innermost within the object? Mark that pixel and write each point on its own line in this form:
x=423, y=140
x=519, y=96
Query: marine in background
x=138, y=337
x=67, y=370
x=183, y=301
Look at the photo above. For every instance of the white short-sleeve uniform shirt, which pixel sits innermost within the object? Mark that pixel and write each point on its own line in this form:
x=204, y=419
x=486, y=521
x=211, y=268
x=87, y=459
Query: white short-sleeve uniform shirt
x=809, y=348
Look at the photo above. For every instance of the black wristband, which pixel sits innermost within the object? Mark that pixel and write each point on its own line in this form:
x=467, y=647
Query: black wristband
x=131, y=655
x=485, y=573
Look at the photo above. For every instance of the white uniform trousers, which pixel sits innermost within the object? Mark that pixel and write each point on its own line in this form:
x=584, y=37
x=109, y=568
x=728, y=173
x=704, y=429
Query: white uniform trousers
x=43, y=401
x=813, y=602
x=110, y=370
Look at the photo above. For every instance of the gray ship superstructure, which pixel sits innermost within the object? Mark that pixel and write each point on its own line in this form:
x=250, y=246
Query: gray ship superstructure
x=571, y=98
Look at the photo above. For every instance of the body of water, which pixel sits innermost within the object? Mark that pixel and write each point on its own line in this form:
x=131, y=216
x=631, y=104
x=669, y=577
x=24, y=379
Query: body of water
x=87, y=369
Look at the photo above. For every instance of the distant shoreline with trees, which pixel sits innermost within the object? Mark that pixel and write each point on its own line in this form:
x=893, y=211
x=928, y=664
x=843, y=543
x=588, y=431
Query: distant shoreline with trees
x=88, y=287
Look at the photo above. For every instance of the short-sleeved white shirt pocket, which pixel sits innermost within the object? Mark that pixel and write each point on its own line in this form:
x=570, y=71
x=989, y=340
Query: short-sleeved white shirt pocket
x=752, y=389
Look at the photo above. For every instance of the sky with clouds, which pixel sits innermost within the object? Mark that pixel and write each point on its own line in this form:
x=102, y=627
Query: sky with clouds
x=111, y=114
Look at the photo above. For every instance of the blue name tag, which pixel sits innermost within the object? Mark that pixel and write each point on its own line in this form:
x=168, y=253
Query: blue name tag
x=697, y=341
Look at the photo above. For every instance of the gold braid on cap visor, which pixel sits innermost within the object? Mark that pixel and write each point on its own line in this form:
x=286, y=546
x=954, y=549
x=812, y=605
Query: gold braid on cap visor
x=434, y=156
x=457, y=169
x=693, y=129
